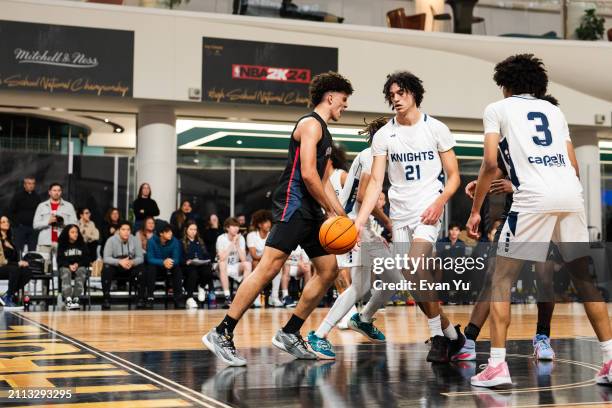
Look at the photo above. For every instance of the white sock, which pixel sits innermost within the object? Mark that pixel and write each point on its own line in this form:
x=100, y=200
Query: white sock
x=275, y=286
x=226, y=293
x=285, y=293
x=450, y=332
x=606, y=349
x=341, y=306
x=498, y=356
x=435, y=326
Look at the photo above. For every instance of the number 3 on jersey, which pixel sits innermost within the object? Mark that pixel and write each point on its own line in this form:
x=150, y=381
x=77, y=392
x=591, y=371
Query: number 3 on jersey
x=411, y=170
x=542, y=127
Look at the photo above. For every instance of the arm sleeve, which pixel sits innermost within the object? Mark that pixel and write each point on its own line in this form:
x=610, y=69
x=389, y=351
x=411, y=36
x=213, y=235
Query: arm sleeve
x=379, y=144
x=366, y=161
x=39, y=223
x=219, y=245
x=108, y=254
x=138, y=255
x=60, y=258
x=250, y=240
x=490, y=120
x=445, y=138
x=154, y=209
x=242, y=243
x=565, y=134
x=95, y=234
x=151, y=254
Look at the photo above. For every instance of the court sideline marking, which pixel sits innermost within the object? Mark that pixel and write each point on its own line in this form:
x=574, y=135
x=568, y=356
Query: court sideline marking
x=167, y=383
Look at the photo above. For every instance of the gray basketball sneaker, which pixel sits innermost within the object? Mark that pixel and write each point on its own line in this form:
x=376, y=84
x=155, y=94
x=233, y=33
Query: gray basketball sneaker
x=294, y=344
x=223, y=347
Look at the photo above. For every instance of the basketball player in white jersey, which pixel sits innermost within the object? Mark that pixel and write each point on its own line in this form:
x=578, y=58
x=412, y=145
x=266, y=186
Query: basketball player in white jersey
x=351, y=197
x=418, y=149
x=534, y=140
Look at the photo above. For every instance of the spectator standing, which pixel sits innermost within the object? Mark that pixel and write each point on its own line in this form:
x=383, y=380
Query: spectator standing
x=112, y=220
x=91, y=235
x=144, y=206
x=22, y=209
x=242, y=224
x=179, y=218
x=145, y=233
x=232, y=259
x=211, y=233
x=123, y=257
x=197, y=266
x=49, y=220
x=16, y=271
x=261, y=222
x=164, y=256
x=72, y=258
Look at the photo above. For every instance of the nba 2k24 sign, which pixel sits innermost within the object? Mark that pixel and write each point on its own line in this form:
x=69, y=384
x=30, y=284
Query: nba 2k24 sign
x=66, y=59
x=236, y=71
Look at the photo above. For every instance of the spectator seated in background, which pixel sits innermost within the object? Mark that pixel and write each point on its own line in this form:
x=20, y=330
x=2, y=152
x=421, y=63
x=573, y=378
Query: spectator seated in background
x=49, y=220
x=22, y=209
x=163, y=256
x=145, y=233
x=211, y=233
x=16, y=271
x=112, y=219
x=261, y=223
x=144, y=206
x=297, y=266
x=72, y=258
x=123, y=257
x=179, y=218
x=91, y=235
x=232, y=259
x=449, y=247
x=197, y=267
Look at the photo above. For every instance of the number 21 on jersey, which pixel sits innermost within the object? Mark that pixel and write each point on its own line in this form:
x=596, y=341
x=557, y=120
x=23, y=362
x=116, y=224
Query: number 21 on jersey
x=413, y=172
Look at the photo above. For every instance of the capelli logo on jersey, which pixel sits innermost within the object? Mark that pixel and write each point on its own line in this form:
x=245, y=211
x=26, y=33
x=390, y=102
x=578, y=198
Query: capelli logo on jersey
x=263, y=73
x=557, y=160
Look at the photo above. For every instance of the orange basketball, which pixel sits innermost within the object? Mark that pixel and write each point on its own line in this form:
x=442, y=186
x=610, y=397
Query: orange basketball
x=338, y=235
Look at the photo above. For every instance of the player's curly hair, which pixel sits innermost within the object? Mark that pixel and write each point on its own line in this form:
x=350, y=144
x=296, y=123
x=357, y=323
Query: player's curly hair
x=259, y=217
x=522, y=74
x=406, y=81
x=372, y=127
x=328, y=82
x=550, y=99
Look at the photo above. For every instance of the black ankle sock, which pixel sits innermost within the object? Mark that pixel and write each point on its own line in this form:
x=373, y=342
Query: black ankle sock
x=293, y=325
x=543, y=329
x=227, y=325
x=472, y=331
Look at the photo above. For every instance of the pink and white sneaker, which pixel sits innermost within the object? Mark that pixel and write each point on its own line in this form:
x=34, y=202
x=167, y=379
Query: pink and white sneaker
x=492, y=376
x=604, y=376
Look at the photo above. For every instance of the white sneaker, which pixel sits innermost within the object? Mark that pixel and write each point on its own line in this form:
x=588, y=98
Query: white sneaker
x=74, y=305
x=275, y=302
x=201, y=294
x=191, y=303
x=68, y=303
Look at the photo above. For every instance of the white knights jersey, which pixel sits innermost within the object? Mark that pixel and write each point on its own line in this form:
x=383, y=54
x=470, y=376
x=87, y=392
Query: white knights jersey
x=414, y=165
x=533, y=144
x=336, y=180
x=348, y=196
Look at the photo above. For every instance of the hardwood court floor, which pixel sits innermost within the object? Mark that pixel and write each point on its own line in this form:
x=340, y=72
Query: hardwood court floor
x=155, y=359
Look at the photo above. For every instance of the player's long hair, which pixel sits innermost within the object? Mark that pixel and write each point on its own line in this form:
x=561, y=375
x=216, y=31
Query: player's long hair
x=372, y=127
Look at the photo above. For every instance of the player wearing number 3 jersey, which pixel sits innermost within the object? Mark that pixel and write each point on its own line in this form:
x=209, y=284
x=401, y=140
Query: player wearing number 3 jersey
x=535, y=144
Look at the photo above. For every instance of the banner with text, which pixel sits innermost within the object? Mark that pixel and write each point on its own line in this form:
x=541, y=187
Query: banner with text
x=66, y=59
x=236, y=71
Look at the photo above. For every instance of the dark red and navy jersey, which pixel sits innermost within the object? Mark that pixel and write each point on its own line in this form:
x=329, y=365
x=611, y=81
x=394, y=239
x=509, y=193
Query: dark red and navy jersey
x=291, y=194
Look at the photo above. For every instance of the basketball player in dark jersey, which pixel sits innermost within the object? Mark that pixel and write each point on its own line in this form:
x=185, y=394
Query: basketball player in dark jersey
x=301, y=195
